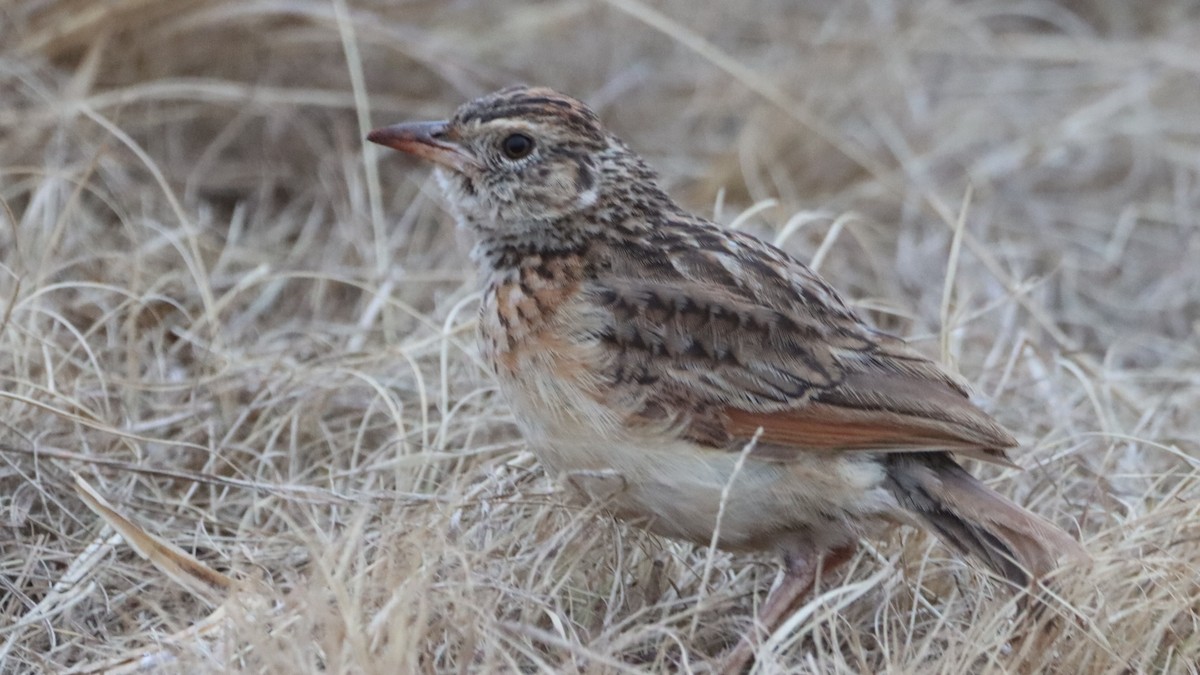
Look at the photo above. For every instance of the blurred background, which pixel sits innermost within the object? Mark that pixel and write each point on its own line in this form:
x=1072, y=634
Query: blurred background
x=254, y=332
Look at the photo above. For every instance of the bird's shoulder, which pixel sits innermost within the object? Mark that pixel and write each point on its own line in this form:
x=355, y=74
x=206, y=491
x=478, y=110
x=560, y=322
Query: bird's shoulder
x=690, y=290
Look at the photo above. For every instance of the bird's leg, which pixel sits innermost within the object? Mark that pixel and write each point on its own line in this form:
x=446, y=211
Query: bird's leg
x=799, y=575
x=801, y=565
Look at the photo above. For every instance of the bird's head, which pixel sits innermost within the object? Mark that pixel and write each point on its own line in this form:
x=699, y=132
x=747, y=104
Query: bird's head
x=521, y=158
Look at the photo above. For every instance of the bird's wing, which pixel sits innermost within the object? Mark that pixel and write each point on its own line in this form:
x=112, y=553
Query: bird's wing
x=729, y=336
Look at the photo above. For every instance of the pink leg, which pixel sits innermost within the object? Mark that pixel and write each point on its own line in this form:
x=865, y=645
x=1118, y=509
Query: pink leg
x=799, y=577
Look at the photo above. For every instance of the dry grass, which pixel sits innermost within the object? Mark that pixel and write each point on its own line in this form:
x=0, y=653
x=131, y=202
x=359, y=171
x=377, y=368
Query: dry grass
x=254, y=336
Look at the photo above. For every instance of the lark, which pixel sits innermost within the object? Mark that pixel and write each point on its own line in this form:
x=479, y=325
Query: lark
x=701, y=382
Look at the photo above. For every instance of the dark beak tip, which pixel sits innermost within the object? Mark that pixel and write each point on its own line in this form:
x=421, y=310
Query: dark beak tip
x=377, y=136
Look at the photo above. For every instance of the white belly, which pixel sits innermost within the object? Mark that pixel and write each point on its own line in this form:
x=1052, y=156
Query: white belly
x=682, y=490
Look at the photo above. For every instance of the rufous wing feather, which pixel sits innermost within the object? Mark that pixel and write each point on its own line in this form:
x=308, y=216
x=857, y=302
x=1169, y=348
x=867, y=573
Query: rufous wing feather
x=879, y=413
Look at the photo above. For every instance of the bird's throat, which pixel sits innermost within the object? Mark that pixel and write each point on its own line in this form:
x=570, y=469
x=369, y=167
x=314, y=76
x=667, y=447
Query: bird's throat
x=516, y=247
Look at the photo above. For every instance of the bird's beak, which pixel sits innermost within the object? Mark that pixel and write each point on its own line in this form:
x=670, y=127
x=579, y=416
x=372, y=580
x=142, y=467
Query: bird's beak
x=427, y=140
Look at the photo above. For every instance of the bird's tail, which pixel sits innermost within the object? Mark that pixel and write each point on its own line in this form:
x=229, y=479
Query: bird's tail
x=968, y=515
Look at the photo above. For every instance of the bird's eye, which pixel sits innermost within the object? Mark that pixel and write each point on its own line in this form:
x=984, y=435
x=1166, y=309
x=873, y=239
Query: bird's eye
x=516, y=146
